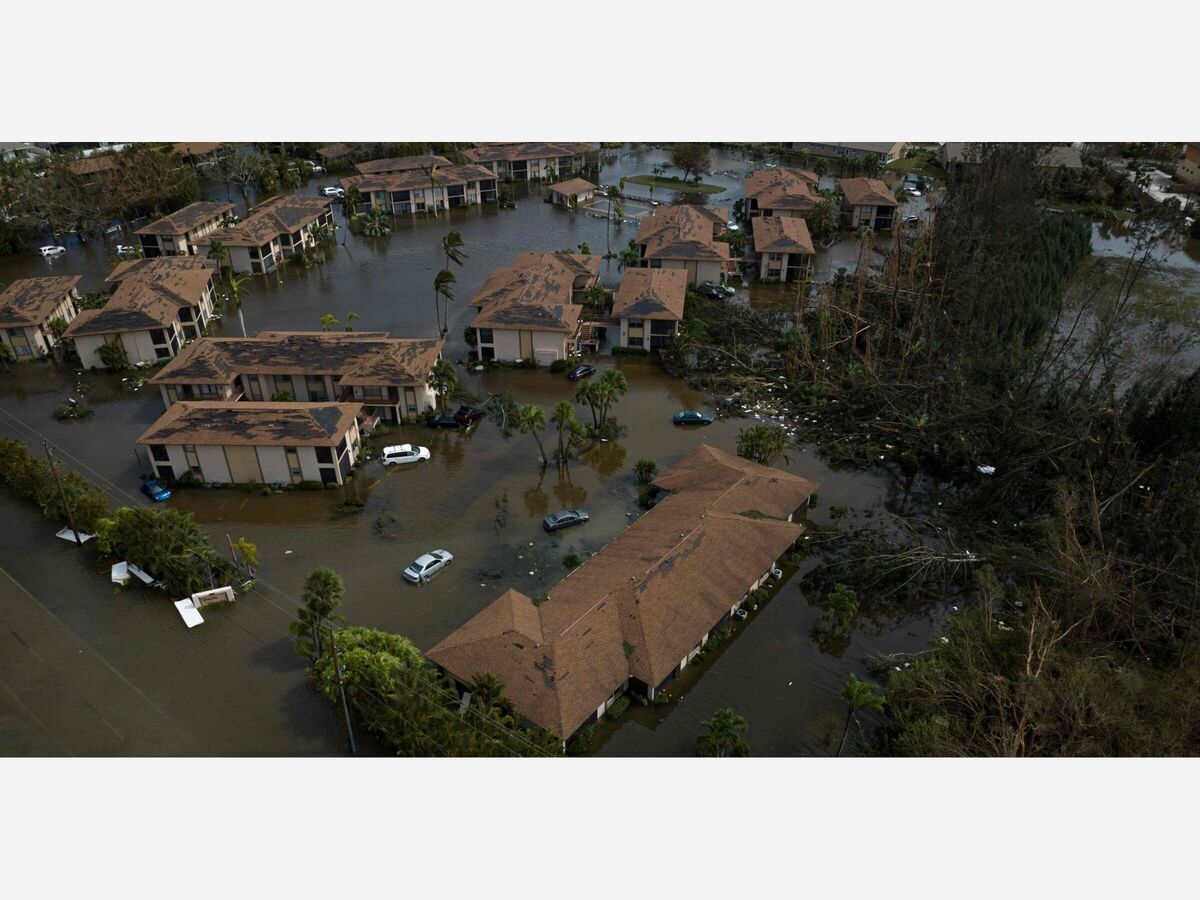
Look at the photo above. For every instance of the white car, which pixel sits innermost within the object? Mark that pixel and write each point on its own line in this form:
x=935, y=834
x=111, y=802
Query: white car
x=52, y=251
x=332, y=192
x=399, y=454
x=122, y=249
x=427, y=565
x=313, y=168
x=913, y=192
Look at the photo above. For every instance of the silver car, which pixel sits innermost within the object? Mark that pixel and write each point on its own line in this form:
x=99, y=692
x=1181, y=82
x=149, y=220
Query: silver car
x=428, y=565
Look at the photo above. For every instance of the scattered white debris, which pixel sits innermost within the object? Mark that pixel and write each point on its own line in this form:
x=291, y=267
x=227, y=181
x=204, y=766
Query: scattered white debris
x=288, y=552
x=986, y=470
x=944, y=639
x=188, y=612
x=68, y=535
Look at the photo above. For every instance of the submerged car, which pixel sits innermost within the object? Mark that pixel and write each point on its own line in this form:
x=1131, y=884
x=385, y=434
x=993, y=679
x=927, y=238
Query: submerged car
x=332, y=192
x=564, y=518
x=691, y=417
x=52, y=251
x=442, y=420
x=427, y=565
x=714, y=289
x=580, y=372
x=468, y=415
x=911, y=219
x=399, y=454
x=156, y=490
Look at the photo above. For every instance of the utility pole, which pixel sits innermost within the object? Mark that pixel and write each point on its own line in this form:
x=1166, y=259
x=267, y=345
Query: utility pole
x=337, y=668
x=62, y=494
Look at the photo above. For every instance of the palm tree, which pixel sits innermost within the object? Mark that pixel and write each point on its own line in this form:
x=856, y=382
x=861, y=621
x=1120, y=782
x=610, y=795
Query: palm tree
x=452, y=246
x=442, y=290
x=328, y=321
x=431, y=172
x=723, y=735
x=487, y=691
x=444, y=380
x=234, y=296
x=613, y=386
x=564, y=418
x=858, y=695
x=762, y=444
x=589, y=392
x=218, y=251
x=323, y=592
x=531, y=420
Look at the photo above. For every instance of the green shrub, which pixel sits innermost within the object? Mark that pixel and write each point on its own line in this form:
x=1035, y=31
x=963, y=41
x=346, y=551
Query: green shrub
x=620, y=705
x=31, y=479
x=311, y=485
x=560, y=365
x=572, y=561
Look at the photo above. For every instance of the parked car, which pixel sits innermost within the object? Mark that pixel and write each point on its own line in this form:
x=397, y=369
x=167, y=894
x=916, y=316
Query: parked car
x=442, y=420
x=564, y=518
x=400, y=454
x=156, y=490
x=580, y=372
x=468, y=415
x=733, y=226
x=913, y=192
x=691, y=417
x=333, y=192
x=427, y=565
x=313, y=168
x=52, y=251
x=710, y=291
x=722, y=290
x=123, y=249
x=911, y=219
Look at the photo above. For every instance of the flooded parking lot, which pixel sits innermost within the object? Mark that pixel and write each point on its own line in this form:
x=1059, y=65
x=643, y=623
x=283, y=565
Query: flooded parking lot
x=84, y=670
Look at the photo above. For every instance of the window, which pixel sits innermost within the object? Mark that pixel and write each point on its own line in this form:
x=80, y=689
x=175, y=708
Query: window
x=485, y=336
x=159, y=452
x=208, y=390
x=373, y=393
x=158, y=336
x=283, y=383
x=635, y=341
x=162, y=352
x=325, y=455
x=635, y=323
x=316, y=388
x=14, y=332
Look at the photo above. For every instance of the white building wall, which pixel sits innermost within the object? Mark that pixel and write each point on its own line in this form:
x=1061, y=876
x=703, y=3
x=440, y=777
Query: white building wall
x=139, y=347
x=213, y=464
x=273, y=463
x=308, y=463
x=507, y=343
x=239, y=259
x=88, y=346
x=549, y=346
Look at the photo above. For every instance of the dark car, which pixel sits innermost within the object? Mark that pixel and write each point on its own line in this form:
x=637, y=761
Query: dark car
x=564, y=518
x=691, y=417
x=442, y=420
x=580, y=372
x=156, y=490
x=468, y=415
x=710, y=291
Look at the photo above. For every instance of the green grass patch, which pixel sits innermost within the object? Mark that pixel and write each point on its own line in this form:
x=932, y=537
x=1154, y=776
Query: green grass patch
x=675, y=184
x=917, y=165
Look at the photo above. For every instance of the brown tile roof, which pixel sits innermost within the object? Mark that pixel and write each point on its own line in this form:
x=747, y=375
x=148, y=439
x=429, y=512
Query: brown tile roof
x=783, y=188
x=252, y=424
x=781, y=234
x=867, y=192
x=659, y=586
x=534, y=293
x=355, y=357
x=400, y=164
x=30, y=301
x=651, y=294
x=486, y=152
x=573, y=186
x=271, y=219
x=92, y=165
x=184, y=220
x=684, y=232
x=150, y=294
x=416, y=179
x=196, y=148
x=334, y=151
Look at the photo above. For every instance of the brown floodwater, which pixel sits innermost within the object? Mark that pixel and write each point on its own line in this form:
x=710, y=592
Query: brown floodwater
x=86, y=670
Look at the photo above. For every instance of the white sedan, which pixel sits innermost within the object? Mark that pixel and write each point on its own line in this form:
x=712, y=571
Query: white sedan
x=400, y=454
x=52, y=251
x=427, y=565
x=332, y=192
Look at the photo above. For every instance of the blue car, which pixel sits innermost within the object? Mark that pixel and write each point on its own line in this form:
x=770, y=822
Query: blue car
x=691, y=417
x=156, y=490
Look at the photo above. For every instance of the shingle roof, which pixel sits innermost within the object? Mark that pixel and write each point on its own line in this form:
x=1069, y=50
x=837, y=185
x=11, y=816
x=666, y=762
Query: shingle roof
x=534, y=292
x=400, y=164
x=684, y=232
x=252, y=424
x=30, y=301
x=867, y=192
x=651, y=294
x=92, y=165
x=411, y=179
x=359, y=357
x=657, y=587
x=781, y=234
x=271, y=219
x=334, y=151
x=783, y=188
x=573, y=186
x=184, y=220
x=528, y=150
x=150, y=294
x=196, y=148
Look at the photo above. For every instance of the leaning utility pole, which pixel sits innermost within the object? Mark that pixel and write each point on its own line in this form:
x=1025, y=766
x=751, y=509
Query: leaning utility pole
x=62, y=494
x=337, y=668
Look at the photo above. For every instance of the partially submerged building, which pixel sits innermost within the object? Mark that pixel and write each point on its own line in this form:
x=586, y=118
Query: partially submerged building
x=273, y=231
x=883, y=151
x=415, y=190
x=158, y=306
x=255, y=443
x=179, y=233
x=867, y=203
x=28, y=306
x=685, y=237
x=633, y=616
x=781, y=192
x=529, y=310
x=572, y=193
x=784, y=248
x=388, y=377
x=532, y=160
x=649, y=307
x=401, y=164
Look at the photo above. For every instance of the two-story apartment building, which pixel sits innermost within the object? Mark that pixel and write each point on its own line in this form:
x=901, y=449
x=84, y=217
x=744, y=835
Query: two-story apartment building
x=178, y=233
x=638, y=612
x=1188, y=170
x=649, y=306
x=388, y=377
x=784, y=248
x=28, y=306
x=867, y=203
x=528, y=310
x=271, y=232
x=158, y=306
x=685, y=237
x=420, y=190
x=396, y=164
x=534, y=160
x=572, y=193
x=255, y=443
x=883, y=151
x=781, y=192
